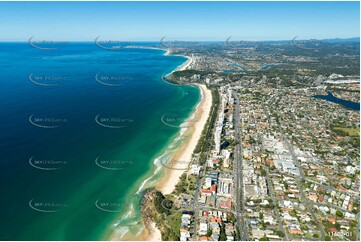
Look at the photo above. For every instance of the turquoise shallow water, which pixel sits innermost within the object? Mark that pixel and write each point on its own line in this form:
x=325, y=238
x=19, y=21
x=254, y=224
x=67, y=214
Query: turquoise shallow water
x=81, y=127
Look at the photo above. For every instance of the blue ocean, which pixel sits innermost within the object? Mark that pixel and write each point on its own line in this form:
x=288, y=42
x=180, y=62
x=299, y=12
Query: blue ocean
x=80, y=131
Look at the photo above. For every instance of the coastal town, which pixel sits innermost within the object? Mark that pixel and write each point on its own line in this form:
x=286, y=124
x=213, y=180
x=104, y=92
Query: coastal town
x=279, y=157
x=180, y=120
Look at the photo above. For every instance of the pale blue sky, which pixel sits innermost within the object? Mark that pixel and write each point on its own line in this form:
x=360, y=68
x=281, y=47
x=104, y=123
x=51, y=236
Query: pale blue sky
x=178, y=20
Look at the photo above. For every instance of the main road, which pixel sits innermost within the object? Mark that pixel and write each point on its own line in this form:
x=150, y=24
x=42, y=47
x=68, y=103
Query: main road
x=238, y=181
x=238, y=174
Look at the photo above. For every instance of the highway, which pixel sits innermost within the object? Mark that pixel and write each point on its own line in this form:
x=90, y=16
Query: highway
x=238, y=174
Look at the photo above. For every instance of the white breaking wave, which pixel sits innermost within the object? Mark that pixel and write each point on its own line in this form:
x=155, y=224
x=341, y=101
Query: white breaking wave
x=129, y=213
x=158, y=165
x=157, y=161
x=120, y=232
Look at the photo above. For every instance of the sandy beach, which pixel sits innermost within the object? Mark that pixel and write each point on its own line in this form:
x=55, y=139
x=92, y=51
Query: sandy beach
x=182, y=156
x=150, y=234
x=186, y=64
x=182, y=67
x=168, y=52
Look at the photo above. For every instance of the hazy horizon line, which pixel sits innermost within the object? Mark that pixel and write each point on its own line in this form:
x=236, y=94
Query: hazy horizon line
x=181, y=40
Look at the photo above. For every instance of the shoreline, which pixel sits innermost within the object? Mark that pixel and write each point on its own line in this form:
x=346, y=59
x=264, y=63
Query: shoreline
x=183, y=154
x=185, y=65
x=166, y=184
x=151, y=233
x=182, y=67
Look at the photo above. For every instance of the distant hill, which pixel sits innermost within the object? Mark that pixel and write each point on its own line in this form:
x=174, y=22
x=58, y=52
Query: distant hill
x=339, y=40
x=334, y=40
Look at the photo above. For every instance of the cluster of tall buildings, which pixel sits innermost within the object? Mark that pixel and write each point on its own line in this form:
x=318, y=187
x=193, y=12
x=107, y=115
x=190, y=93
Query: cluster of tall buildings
x=225, y=93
